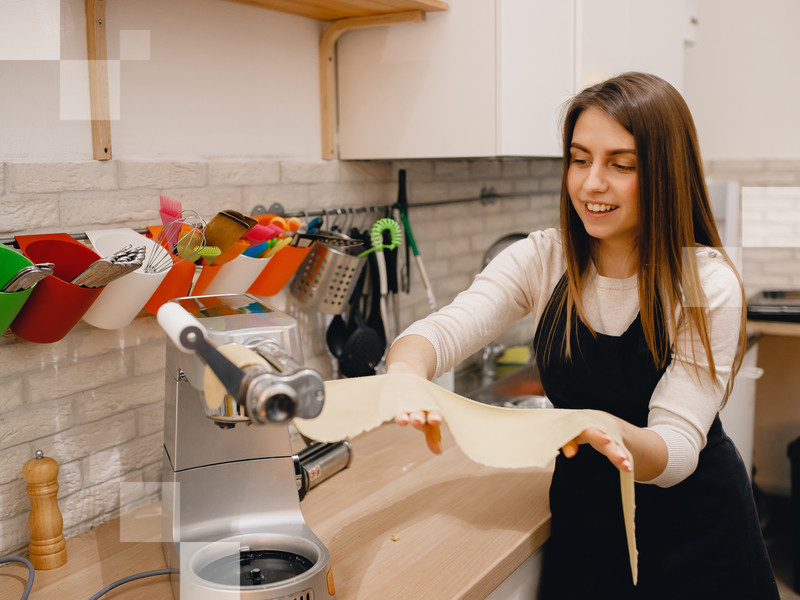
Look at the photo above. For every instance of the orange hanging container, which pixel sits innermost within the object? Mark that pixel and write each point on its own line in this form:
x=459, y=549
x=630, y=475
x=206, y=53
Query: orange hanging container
x=176, y=284
x=281, y=267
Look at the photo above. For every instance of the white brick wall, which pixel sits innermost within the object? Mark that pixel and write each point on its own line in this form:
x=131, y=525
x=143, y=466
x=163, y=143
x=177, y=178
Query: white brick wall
x=771, y=217
x=770, y=221
x=94, y=400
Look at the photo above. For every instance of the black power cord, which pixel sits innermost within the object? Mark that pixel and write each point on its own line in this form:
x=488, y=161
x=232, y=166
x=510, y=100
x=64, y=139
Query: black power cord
x=31, y=572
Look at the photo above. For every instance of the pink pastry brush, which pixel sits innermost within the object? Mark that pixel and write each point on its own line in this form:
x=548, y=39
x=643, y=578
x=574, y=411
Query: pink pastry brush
x=170, y=210
x=261, y=233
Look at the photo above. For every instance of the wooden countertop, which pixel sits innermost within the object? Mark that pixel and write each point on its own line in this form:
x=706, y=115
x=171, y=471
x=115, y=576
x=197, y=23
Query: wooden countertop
x=782, y=328
x=399, y=523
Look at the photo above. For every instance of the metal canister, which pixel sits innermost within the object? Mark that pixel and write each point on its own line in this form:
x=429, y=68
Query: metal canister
x=320, y=461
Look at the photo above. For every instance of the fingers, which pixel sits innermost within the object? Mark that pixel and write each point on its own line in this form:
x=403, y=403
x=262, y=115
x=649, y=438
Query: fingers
x=570, y=449
x=603, y=444
x=428, y=423
x=419, y=418
x=433, y=437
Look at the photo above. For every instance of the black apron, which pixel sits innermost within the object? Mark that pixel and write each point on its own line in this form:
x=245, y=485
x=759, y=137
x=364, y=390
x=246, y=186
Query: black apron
x=698, y=539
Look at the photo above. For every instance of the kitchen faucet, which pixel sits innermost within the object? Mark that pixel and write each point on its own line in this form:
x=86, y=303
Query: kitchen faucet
x=494, y=350
x=487, y=361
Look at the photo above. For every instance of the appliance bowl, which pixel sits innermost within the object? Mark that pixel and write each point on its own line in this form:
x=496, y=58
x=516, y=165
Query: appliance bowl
x=262, y=566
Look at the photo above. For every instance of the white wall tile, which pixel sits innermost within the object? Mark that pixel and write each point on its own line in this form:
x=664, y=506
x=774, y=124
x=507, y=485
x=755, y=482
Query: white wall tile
x=59, y=177
x=70, y=478
x=79, y=211
x=11, y=396
x=451, y=169
x=485, y=169
x=143, y=174
x=309, y=172
x=15, y=498
x=28, y=424
x=63, y=380
x=28, y=214
x=292, y=197
x=365, y=171
x=89, y=503
x=14, y=534
x=83, y=440
x=254, y=172
x=150, y=418
x=121, y=396
x=12, y=461
x=113, y=463
x=149, y=359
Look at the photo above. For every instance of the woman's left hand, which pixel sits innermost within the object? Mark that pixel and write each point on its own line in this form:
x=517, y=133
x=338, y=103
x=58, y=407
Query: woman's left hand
x=603, y=444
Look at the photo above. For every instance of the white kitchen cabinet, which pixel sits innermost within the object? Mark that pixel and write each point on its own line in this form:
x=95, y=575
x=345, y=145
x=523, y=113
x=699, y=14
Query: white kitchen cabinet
x=612, y=36
x=489, y=77
x=523, y=582
x=463, y=83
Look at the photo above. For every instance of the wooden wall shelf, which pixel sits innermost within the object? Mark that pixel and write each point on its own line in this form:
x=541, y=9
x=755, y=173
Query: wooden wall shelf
x=345, y=15
x=332, y=10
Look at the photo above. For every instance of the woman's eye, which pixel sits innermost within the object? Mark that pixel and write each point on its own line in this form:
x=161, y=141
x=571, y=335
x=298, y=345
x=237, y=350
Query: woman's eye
x=578, y=161
x=626, y=168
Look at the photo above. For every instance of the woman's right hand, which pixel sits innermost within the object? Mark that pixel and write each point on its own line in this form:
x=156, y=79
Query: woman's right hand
x=415, y=354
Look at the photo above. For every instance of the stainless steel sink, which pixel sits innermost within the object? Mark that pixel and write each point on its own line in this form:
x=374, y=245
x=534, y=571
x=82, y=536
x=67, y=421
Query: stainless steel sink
x=521, y=388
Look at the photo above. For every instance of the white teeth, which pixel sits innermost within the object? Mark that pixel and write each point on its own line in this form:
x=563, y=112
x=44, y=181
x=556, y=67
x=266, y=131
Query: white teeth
x=599, y=207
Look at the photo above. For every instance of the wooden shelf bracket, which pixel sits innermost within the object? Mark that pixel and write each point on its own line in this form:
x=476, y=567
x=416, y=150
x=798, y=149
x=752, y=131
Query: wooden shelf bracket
x=327, y=66
x=98, y=78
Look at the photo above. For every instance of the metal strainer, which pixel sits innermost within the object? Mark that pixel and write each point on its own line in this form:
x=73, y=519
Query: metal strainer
x=326, y=278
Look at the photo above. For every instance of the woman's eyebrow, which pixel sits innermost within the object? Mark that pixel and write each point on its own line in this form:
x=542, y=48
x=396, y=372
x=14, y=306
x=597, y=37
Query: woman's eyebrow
x=610, y=153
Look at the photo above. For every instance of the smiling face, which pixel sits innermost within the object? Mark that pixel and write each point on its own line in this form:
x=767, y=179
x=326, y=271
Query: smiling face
x=602, y=180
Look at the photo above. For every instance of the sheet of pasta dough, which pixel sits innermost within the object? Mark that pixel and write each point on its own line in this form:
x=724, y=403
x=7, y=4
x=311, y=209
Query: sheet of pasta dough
x=491, y=435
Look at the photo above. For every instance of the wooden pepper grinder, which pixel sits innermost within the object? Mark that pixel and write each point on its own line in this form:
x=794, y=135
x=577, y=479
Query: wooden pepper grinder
x=48, y=549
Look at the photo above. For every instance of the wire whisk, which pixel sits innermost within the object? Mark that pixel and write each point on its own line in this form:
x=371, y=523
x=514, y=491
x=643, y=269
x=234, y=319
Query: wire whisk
x=187, y=230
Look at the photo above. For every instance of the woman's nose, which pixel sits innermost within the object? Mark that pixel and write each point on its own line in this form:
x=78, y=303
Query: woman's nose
x=595, y=179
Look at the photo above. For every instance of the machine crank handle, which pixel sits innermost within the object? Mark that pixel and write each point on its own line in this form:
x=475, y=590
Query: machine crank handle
x=189, y=336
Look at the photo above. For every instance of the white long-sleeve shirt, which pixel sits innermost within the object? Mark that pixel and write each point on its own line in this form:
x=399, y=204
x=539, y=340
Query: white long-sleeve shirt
x=520, y=281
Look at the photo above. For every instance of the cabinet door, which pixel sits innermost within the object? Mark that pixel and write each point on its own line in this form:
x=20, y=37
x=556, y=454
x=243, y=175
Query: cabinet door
x=613, y=36
x=420, y=90
x=535, y=75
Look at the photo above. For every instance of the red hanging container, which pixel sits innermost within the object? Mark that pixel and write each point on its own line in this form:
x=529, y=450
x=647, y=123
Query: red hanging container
x=55, y=305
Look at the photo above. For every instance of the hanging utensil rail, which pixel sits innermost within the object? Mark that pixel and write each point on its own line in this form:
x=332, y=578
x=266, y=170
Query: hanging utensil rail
x=487, y=196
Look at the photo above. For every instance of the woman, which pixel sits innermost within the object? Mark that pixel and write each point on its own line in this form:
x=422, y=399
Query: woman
x=638, y=313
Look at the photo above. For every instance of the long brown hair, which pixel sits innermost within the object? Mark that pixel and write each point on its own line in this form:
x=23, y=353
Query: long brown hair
x=674, y=213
